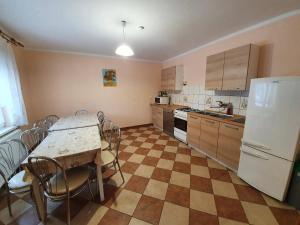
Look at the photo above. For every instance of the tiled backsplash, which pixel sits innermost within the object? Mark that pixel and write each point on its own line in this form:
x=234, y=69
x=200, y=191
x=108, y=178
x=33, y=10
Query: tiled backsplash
x=197, y=97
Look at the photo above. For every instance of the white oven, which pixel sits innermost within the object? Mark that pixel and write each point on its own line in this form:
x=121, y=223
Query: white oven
x=180, y=124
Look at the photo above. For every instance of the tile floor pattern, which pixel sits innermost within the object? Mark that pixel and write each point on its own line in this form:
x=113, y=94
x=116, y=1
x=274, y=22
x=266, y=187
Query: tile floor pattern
x=167, y=183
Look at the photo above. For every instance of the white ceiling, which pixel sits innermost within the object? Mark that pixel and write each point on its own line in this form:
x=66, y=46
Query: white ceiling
x=171, y=26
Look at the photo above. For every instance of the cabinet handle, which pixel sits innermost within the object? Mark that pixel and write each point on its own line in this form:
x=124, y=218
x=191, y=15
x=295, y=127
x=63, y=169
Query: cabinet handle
x=209, y=121
x=234, y=128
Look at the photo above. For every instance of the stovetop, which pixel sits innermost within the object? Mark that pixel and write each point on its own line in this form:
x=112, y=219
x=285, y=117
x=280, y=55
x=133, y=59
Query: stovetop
x=187, y=109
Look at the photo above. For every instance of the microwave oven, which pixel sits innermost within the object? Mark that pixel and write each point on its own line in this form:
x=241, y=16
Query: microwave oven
x=162, y=100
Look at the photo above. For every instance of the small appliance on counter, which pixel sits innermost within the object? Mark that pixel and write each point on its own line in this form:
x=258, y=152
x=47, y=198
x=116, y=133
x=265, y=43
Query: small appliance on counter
x=162, y=98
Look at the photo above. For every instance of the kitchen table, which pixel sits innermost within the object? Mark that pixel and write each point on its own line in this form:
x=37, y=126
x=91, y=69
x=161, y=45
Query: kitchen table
x=71, y=148
x=73, y=122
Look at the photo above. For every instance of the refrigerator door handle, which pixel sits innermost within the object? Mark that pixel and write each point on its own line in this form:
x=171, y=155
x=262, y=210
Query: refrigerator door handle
x=254, y=155
x=255, y=146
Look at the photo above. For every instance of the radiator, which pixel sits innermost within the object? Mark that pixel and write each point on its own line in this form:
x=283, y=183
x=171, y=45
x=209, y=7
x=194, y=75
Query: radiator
x=15, y=134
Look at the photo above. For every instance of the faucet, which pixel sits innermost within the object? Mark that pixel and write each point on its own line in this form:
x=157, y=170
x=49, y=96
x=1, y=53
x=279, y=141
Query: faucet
x=228, y=106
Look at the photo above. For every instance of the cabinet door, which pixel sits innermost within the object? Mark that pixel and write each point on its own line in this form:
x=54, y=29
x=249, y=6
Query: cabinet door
x=214, y=72
x=193, y=130
x=157, y=117
x=229, y=144
x=236, y=68
x=209, y=136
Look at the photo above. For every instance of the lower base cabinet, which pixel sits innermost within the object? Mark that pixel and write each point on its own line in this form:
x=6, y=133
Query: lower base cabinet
x=209, y=130
x=157, y=117
x=193, y=130
x=219, y=140
x=229, y=144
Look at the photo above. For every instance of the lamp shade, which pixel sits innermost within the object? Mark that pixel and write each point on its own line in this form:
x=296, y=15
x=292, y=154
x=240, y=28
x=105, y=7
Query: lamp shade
x=124, y=50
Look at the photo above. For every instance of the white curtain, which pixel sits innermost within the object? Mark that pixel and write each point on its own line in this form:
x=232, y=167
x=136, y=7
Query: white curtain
x=12, y=109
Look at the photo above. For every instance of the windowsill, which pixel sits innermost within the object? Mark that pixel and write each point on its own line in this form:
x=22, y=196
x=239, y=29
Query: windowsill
x=6, y=130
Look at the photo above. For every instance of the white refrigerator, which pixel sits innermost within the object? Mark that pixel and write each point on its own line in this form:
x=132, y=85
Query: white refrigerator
x=271, y=142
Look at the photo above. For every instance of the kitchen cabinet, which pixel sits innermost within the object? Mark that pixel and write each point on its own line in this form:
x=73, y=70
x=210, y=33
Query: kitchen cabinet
x=232, y=69
x=209, y=130
x=214, y=71
x=157, y=117
x=229, y=143
x=172, y=78
x=193, y=130
x=240, y=66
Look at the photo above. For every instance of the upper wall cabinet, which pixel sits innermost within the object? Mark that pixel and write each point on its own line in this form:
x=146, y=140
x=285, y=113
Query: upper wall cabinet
x=214, y=71
x=239, y=67
x=172, y=78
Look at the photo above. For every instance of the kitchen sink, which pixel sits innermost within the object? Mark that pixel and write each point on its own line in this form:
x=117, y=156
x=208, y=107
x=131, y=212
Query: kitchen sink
x=222, y=116
x=239, y=120
x=218, y=115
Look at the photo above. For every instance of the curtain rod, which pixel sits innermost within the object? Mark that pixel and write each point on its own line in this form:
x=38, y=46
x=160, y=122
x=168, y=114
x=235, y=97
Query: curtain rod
x=11, y=40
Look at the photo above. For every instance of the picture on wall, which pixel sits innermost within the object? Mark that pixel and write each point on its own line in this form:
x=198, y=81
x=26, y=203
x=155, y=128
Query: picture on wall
x=109, y=77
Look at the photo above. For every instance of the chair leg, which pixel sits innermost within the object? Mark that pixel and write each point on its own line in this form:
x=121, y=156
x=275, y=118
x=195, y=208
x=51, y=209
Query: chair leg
x=117, y=161
x=90, y=189
x=45, y=209
x=68, y=210
x=8, y=201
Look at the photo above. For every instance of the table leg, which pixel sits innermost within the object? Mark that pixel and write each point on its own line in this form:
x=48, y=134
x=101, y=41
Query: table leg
x=38, y=199
x=100, y=183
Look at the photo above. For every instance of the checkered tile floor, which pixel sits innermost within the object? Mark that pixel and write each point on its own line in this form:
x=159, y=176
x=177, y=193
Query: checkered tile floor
x=167, y=183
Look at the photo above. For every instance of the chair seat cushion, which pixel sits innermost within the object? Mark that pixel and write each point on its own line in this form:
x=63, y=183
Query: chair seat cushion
x=104, y=144
x=18, y=181
x=107, y=157
x=76, y=177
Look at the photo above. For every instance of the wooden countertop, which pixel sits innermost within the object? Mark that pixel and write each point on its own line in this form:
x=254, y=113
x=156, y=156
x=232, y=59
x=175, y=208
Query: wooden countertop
x=168, y=107
x=227, y=120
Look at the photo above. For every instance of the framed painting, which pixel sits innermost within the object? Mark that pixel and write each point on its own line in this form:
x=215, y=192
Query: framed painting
x=109, y=77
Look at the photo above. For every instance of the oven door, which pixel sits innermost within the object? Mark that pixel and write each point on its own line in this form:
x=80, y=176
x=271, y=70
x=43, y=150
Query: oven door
x=180, y=124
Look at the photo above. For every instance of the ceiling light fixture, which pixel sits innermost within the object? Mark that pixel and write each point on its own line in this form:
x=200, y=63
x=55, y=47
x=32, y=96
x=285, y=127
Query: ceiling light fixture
x=124, y=49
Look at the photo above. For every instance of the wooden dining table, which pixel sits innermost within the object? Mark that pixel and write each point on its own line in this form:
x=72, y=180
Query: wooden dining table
x=72, y=147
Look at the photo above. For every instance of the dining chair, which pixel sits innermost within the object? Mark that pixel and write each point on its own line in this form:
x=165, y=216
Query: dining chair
x=12, y=153
x=111, y=156
x=57, y=183
x=105, y=133
x=31, y=138
x=42, y=124
x=81, y=112
x=50, y=120
x=100, y=116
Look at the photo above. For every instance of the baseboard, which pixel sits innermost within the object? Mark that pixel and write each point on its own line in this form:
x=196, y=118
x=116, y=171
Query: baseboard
x=137, y=126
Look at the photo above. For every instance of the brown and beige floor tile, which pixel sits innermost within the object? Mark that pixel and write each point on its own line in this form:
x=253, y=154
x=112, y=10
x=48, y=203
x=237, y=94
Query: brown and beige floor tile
x=225, y=189
x=114, y=217
x=161, y=175
x=137, y=184
x=126, y=202
x=259, y=214
x=180, y=179
x=202, y=218
x=156, y=189
x=178, y=195
x=203, y=202
x=200, y=171
x=149, y=209
x=144, y=171
x=201, y=184
x=168, y=215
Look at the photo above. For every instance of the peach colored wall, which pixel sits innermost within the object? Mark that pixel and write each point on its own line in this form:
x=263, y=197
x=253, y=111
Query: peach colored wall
x=57, y=83
x=280, y=51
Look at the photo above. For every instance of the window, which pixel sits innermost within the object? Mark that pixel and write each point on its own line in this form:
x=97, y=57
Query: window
x=12, y=110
